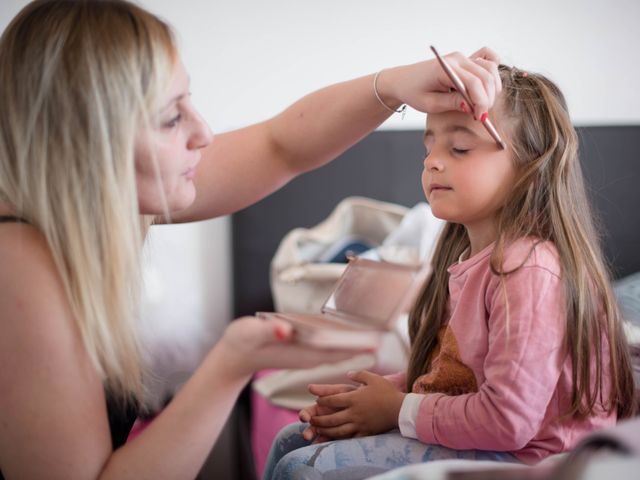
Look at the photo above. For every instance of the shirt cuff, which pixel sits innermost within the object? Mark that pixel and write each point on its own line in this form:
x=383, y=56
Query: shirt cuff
x=425, y=425
x=409, y=414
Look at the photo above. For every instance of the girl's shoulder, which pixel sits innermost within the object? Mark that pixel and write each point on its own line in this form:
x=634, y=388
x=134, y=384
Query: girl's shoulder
x=532, y=252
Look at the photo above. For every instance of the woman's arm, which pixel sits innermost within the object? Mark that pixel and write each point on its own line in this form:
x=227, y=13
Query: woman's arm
x=177, y=442
x=242, y=166
x=53, y=417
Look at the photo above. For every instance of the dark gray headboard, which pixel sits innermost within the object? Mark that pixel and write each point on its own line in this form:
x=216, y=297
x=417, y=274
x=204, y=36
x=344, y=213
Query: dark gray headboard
x=387, y=166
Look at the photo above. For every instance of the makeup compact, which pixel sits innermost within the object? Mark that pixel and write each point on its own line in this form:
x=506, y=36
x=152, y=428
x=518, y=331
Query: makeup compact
x=369, y=299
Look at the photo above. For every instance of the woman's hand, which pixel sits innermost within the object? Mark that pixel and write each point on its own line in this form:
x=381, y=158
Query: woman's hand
x=427, y=88
x=371, y=408
x=251, y=344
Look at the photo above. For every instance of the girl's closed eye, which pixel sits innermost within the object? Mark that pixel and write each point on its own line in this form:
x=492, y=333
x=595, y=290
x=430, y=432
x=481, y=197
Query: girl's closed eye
x=460, y=151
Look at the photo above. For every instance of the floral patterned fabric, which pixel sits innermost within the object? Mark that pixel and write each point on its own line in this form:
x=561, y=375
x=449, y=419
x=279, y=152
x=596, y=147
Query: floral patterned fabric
x=293, y=458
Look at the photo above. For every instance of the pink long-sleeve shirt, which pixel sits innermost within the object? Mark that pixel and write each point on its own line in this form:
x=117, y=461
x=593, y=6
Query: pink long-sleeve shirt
x=495, y=384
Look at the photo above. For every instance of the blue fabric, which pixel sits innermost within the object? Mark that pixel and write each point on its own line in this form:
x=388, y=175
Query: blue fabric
x=293, y=458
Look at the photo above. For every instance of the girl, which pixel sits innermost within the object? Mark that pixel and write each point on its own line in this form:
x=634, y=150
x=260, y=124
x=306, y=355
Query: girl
x=517, y=348
x=99, y=139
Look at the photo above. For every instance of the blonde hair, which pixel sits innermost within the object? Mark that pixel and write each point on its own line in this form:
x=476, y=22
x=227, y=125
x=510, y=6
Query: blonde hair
x=78, y=81
x=548, y=201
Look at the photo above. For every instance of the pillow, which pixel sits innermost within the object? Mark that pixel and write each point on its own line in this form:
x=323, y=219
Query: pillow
x=627, y=290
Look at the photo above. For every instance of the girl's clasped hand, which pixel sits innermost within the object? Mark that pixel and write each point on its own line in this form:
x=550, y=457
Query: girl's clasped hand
x=344, y=411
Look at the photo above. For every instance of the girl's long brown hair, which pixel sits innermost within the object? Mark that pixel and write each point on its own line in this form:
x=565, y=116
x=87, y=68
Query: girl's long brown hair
x=549, y=202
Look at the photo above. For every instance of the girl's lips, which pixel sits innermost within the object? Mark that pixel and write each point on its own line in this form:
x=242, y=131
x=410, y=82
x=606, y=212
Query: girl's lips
x=437, y=186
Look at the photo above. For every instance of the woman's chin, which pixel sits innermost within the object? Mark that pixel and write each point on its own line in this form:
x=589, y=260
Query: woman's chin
x=183, y=202
x=174, y=203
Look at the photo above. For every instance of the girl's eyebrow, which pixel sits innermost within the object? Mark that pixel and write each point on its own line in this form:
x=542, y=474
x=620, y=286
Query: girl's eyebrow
x=451, y=129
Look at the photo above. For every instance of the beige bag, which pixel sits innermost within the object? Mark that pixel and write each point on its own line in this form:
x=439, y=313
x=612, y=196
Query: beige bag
x=299, y=283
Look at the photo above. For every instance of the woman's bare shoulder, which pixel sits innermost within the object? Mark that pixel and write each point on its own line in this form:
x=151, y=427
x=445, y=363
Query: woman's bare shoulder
x=52, y=407
x=34, y=308
x=29, y=277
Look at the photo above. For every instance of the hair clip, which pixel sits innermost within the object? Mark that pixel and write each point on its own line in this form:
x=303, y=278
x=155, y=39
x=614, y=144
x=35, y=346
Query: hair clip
x=516, y=72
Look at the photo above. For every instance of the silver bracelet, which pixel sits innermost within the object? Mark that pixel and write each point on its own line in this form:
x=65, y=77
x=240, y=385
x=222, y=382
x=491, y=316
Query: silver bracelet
x=375, y=91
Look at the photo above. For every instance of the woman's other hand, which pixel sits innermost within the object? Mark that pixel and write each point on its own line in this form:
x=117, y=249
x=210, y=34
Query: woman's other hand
x=253, y=344
x=427, y=88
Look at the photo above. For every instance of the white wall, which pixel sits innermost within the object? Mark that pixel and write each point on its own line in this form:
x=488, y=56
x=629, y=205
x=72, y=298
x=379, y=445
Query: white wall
x=250, y=59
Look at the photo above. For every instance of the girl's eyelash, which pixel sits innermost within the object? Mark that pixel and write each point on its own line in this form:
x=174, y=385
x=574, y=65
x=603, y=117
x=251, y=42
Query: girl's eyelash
x=457, y=151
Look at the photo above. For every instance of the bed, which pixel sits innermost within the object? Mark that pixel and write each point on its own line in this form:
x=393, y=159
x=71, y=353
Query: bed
x=387, y=166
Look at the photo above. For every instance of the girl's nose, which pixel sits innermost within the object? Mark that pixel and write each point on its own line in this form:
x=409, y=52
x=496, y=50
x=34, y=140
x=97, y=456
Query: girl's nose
x=433, y=163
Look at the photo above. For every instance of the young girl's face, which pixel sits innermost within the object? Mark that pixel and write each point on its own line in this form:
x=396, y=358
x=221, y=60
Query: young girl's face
x=171, y=148
x=466, y=176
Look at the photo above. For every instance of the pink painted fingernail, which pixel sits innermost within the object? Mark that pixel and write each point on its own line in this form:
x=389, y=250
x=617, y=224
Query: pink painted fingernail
x=280, y=333
x=483, y=118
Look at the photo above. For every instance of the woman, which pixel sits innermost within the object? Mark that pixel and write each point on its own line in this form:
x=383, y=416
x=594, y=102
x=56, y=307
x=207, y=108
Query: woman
x=98, y=140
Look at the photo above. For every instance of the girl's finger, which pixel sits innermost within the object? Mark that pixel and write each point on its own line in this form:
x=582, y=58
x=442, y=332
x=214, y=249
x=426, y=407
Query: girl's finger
x=339, y=401
x=320, y=439
x=333, y=420
x=346, y=430
x=306, y=413
x=309, y=434
x=320, y=390
x=362, y=376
